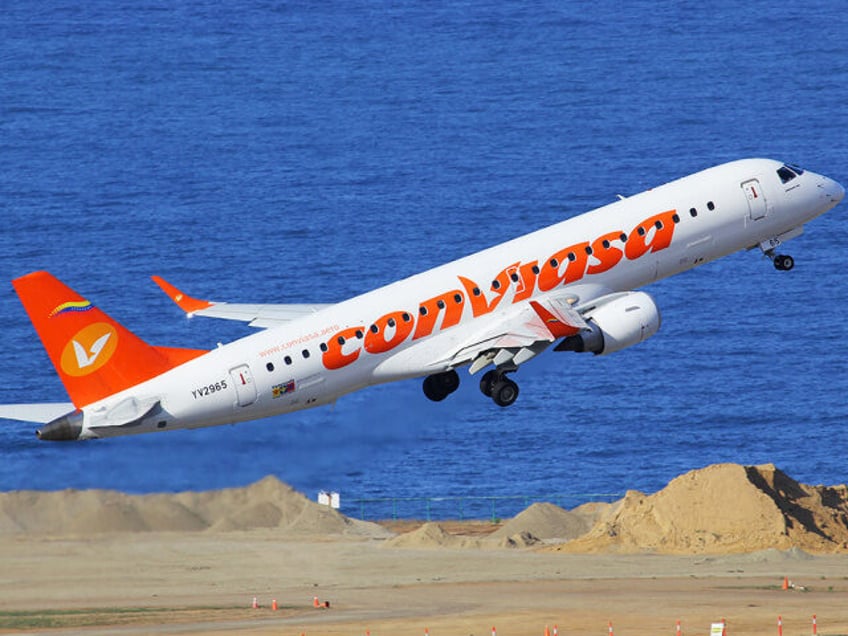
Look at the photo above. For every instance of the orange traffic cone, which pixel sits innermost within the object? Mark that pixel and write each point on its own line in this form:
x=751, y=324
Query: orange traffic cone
x=315, y=602
x=785, y=583
x=255, y=603
x=547, y=631
x=274, y=605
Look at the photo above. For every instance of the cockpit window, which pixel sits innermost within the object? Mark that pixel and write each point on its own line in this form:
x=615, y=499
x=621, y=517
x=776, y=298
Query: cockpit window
x=786, y=174
x=795, y=169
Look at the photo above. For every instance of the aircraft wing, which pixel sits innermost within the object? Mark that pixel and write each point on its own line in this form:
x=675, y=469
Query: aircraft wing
x=521, y=335
x=261, y=316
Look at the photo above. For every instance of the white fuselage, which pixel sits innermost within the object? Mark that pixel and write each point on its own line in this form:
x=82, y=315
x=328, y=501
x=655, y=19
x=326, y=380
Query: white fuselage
x=387, y=336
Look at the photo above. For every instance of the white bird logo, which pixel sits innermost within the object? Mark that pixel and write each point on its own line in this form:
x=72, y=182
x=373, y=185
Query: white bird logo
x=87, y=358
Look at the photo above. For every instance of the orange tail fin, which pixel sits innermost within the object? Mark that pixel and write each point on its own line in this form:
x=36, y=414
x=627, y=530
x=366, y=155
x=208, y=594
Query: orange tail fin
x=94, y=355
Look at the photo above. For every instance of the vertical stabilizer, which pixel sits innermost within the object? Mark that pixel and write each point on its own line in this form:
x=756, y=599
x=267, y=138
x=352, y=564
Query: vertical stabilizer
x=94, y=355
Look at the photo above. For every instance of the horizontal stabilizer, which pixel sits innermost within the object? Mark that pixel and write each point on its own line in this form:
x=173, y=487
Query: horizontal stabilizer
x=40, y=413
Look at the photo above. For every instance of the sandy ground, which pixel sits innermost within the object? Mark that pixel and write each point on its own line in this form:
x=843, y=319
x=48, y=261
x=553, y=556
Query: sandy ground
x=202, y=583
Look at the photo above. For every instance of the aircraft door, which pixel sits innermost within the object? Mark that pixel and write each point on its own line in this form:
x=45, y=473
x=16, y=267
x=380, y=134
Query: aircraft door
x=245, y=386
x=756, y=199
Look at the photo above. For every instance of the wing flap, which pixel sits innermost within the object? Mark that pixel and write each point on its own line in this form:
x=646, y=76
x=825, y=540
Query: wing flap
x=517, y=338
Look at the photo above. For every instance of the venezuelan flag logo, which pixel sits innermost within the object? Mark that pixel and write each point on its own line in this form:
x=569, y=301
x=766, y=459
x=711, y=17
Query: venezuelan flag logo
x=74, y=305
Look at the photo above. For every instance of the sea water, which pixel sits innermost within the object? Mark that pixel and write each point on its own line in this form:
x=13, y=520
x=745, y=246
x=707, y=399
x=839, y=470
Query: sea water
x=307, y=152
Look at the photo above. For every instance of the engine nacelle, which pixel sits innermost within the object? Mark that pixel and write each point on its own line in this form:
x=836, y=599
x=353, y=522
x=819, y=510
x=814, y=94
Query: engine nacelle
x=616, y=321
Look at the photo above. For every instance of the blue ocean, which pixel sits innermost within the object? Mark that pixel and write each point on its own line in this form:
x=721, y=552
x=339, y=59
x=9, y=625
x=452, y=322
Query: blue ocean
x=308, y=152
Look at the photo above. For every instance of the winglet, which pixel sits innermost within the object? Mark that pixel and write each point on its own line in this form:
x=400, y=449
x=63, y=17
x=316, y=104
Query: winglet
x=558, y=326
x=185, y=302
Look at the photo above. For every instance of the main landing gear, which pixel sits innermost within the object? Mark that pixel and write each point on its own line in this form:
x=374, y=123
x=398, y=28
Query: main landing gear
x=493, y=384
x=501, y=389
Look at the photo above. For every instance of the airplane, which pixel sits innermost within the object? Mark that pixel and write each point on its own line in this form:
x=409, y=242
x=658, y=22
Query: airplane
x=571, y=286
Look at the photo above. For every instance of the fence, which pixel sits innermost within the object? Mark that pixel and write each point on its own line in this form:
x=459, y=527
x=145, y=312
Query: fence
x=463, y=507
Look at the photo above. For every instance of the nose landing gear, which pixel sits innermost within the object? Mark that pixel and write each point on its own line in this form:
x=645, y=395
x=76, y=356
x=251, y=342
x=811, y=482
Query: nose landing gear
x=783, y=262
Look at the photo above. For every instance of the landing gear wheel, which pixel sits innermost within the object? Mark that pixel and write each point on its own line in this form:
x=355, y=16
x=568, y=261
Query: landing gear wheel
x=487, y=382
x=505, y=392
x=440, y=385
x=783, y=262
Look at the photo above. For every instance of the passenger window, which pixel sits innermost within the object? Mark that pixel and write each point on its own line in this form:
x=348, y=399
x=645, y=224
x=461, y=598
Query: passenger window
x=710, y=206
x=693, y=212
x=270, y=366
x=287, y=360
x=305, y=353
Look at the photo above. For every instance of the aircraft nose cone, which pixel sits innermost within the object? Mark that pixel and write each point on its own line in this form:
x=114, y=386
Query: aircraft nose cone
x=834, y=190
x=839, y=192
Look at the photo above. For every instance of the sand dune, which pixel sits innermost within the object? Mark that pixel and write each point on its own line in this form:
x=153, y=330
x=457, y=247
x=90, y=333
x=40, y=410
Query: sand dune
x=266, y=504
x=724, y=508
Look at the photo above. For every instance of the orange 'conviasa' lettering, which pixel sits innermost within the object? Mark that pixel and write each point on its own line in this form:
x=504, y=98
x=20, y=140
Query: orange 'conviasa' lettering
x=334, y=357
x=388, y=331
x=527, y=281
x=574, y=257
x=654, y=234
x=565, y=266
x=479, y=305
x=607, y=254
x=451, y=303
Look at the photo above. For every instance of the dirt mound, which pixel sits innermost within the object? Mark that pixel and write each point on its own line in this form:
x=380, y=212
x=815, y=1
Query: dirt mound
x=545, y=521
x=518, y=540
x=724, y=508
x=268, y=503
x=431, y=535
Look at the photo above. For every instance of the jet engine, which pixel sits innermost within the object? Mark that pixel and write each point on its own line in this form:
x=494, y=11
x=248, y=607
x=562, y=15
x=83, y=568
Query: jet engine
x=616, y=321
